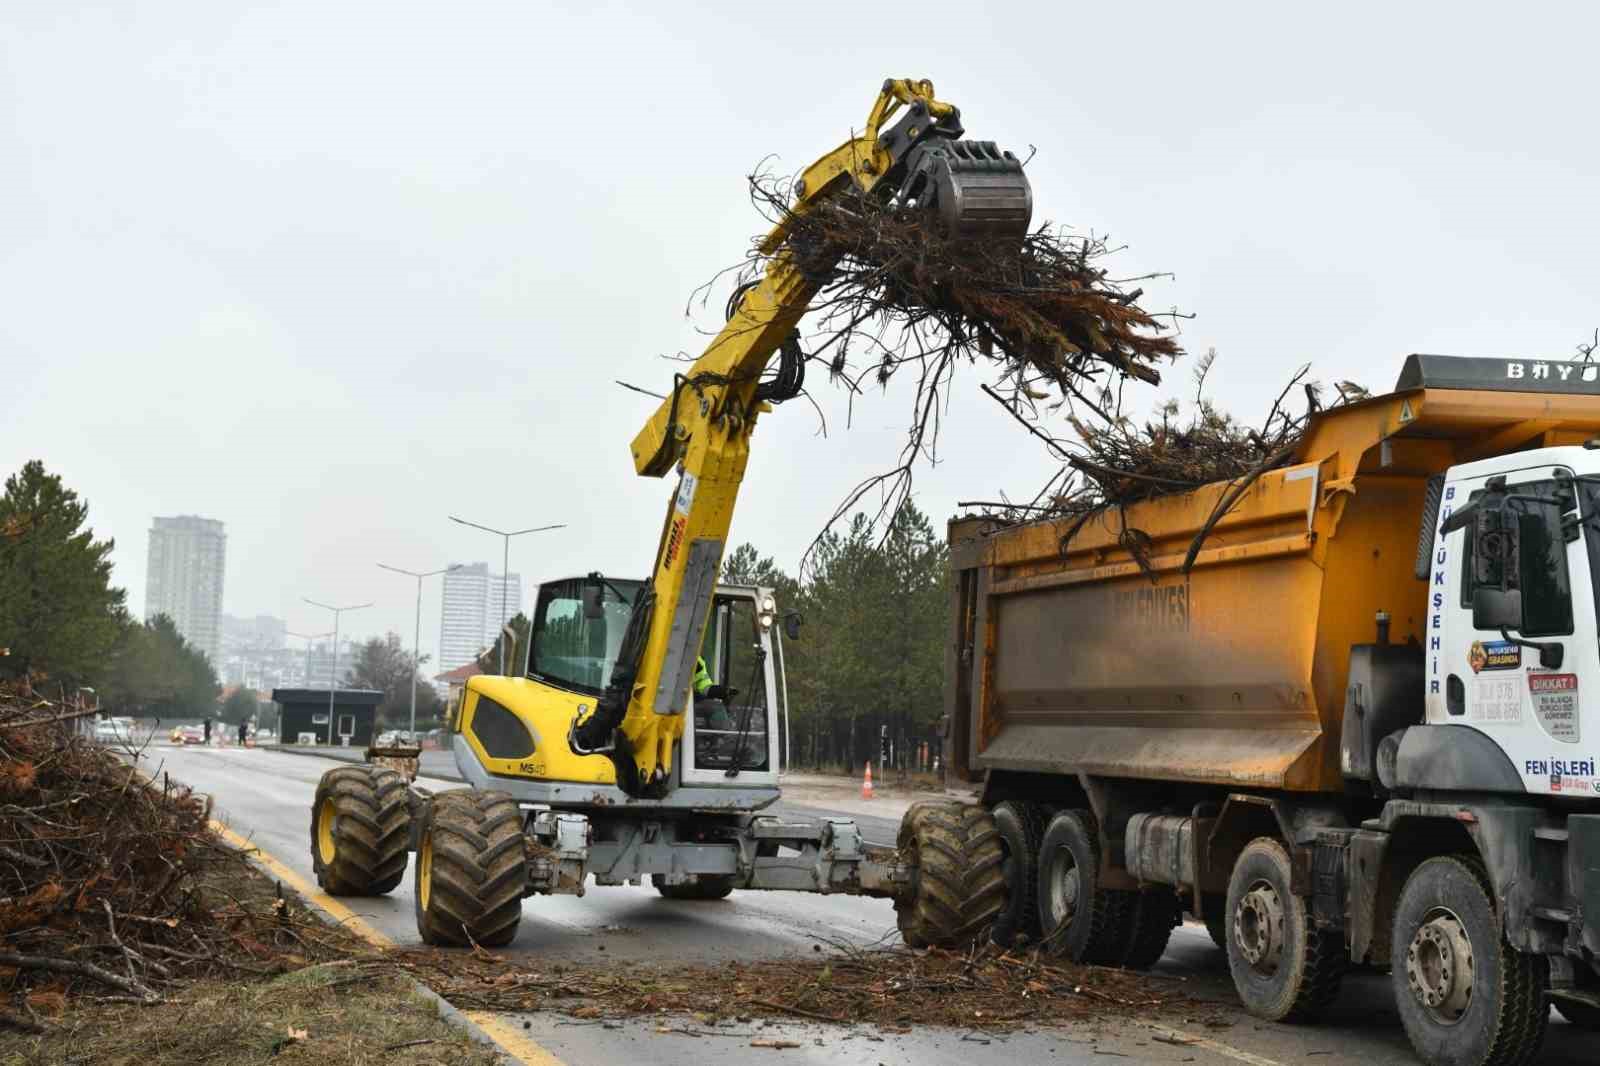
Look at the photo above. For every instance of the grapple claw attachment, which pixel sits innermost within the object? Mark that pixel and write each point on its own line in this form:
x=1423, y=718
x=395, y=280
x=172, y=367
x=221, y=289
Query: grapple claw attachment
x=975, y=189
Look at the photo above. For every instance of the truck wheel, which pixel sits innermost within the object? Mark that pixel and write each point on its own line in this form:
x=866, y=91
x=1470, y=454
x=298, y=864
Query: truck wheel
x=1155, y=913
x=1216, y=919
x=1021, y=826
x=1077, y=917
x=1582, y=1015
x=360, y=828
x=1465, y=996
x=471, y=869
x=1284, y=968
x=708, y=886
x=958, y=890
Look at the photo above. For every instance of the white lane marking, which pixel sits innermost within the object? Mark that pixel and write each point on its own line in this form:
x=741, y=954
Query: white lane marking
x=1227, y=1050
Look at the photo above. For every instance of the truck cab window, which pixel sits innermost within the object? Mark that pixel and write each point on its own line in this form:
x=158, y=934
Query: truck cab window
x=1546, y=590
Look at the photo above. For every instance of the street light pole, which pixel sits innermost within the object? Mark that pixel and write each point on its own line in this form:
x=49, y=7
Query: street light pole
x=333, y=671
x=505, y=568
x=416, y=635
x=308, y=638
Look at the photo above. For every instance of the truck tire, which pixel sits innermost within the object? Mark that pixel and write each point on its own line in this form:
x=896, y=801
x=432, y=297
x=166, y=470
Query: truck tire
x=360, y=829
x=471, y=869
x=707, y=886
x=1077, y=917
x=1582, y=1015
x=1465, y=996
x=1021, y=826
x=1284, y=968
x=958, y=890
x=1153, y=916
x=1216, y=919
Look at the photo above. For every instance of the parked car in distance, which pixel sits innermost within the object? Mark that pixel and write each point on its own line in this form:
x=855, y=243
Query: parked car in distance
x=191, y=734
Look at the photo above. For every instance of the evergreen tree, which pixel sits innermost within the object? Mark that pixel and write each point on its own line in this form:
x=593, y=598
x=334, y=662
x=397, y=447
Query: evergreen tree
x=59, y=615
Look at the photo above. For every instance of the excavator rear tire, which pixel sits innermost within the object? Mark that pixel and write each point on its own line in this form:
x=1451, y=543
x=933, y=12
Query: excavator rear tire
x=360, y=828
x=708, y=886
x=958, y=890
x=471, y=869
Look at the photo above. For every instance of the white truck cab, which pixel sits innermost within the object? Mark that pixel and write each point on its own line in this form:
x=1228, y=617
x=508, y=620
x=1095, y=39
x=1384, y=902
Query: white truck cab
x=1530, y=546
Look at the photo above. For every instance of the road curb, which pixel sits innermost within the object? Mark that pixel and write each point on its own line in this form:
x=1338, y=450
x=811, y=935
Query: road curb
x=484, y=1028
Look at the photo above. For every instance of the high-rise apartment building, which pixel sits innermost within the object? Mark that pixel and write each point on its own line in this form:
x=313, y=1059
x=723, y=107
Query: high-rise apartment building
x=476, y=603
x=183, y=579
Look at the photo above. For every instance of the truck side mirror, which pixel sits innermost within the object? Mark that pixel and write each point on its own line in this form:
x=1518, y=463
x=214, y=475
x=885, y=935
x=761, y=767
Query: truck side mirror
x=1496, y=608
x=791, y=624
x=1496, y=546
x=593, y=593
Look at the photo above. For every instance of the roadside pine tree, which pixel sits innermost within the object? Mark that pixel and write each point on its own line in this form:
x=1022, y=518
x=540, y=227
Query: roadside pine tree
x=59, y=615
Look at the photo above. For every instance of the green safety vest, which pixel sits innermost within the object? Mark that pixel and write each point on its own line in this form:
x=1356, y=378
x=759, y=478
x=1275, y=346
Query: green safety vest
x=702, y=679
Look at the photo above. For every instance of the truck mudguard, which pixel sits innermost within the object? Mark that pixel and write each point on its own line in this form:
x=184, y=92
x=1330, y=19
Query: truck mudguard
x=1454, y=758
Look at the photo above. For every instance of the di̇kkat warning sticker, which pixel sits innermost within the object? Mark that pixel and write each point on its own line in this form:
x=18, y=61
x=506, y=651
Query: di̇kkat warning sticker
x=1555, y=703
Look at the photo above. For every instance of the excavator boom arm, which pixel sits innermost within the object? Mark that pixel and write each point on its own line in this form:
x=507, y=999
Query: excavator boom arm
x=702, y=429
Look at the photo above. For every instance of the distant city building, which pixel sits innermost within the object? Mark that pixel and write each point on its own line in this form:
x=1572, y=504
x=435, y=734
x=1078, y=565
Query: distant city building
x=475, y=604
x=254, y=653
x=184, y=578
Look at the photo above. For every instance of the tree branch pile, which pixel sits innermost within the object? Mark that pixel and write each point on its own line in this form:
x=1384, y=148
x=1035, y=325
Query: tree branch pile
x=1116, y=461
x=114, y=884
x=894, y=292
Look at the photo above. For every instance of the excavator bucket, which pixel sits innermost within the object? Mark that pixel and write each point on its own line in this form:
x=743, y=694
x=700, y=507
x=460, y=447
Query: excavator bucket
x=975, y=189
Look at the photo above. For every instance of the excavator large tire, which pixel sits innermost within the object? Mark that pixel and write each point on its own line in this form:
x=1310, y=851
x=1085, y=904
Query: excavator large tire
x=360, y=828
x=959, y=889
x=471, y=869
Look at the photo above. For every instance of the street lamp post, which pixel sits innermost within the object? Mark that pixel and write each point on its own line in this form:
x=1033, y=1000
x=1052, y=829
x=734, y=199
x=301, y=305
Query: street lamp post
x=308, y=638
x=505, y=568
x=333, y=671
x=416, y=636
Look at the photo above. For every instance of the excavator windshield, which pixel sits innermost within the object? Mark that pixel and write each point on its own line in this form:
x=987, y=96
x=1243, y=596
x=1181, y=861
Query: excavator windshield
x=569, y=649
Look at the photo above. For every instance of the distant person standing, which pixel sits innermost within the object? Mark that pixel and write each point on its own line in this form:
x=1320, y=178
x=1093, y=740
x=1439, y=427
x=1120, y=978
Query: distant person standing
x=244, y=732
x=208, y=730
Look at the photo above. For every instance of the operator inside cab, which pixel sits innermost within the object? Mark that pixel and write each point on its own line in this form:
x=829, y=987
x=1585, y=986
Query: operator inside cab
x=711, y=700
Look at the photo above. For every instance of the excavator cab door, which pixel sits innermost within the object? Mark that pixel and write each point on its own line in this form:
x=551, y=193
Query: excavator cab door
x=731, y=741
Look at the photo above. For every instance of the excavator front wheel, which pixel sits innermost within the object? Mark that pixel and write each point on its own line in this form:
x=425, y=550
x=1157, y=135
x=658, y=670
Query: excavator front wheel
x=959, y=889
x=360, y=828
x=471, y=869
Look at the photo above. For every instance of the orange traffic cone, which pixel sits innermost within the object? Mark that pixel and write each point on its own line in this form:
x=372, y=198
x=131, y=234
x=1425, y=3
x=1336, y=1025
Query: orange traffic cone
x=866, y=782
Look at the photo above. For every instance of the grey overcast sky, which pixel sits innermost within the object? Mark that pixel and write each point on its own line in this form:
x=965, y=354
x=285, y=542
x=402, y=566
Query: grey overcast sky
x=329, y=271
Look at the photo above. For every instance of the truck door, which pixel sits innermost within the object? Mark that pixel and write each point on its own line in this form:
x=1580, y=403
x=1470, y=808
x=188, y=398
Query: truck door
x=1479, y=679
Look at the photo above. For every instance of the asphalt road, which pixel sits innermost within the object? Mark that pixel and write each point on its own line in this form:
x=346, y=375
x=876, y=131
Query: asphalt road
x=266, y=796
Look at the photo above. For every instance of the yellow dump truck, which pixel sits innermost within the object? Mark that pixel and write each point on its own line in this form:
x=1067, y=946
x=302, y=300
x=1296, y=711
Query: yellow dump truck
x=1342, y=721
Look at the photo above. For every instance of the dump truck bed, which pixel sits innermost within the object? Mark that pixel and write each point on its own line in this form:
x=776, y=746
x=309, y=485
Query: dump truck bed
x=1070, y=655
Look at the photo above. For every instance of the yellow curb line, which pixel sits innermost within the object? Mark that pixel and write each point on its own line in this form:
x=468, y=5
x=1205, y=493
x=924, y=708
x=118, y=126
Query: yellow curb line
x=505, y=1036
x=341, y=914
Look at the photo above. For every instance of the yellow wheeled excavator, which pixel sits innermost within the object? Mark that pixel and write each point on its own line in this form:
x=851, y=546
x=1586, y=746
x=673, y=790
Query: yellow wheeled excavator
x=595, y=759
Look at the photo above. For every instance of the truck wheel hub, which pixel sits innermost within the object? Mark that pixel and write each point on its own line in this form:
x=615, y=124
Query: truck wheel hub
x=1439, y=967
x=1258, y=927
x=1066, y=887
